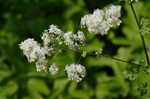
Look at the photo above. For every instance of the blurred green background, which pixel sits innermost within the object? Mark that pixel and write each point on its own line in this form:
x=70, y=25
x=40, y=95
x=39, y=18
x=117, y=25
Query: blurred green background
x=106, y=78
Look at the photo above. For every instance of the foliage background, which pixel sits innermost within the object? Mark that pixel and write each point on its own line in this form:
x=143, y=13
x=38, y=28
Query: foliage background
x=106, y=78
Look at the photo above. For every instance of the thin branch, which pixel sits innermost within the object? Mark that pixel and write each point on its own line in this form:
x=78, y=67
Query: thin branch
x=113, y=58
x=142, y=37
x=121, y=60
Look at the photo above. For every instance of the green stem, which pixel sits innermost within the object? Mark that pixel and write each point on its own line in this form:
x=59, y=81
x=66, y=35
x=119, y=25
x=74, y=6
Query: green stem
x=121, y=60
x=113, y=58
x=142, y=37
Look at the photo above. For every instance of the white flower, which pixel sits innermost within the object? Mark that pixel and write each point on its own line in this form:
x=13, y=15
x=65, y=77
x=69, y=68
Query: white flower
x=41, y=65
x=34, y=53
x=54, y=29
x=101, y=21
x=112, y=13
x=31, y=49
x=75, y=72
x=102, y=28
x=68, y=39
x=92, y=21
x=46, y=38
x=80, y=36
x=48, y=35
x=47, y=50
x=73, y=40
x=53, y=69
x=83, y=21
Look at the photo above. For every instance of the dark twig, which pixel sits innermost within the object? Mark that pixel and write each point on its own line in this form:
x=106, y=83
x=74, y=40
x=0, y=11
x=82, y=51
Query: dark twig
x=142, y=37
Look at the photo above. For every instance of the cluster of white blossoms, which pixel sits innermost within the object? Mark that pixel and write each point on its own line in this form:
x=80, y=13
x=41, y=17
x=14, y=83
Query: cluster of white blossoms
x=73, y=40
x=53, y=69
x=51, y=35
x=53, y=39
x=34, y=53
x=41, y=65
x=75, y=72
x=31, y=50
x=102, y=20
x=54, y=36
x=54, y=29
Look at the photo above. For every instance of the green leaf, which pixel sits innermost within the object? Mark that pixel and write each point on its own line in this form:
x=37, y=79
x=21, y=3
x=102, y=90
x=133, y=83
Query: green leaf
x=37, y=85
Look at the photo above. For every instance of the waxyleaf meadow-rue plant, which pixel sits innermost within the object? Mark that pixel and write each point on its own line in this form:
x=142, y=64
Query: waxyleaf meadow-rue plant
x=100, y=22
x=88, y=49
x=55, y=40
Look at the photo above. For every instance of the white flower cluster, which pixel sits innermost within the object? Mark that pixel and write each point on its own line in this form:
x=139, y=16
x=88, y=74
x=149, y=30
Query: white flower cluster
x=75, y=72
x=41, y=65
x=53, y=69
x=52, y=38
x=51, y=35
x=74, y=40
x=54, y=29
x=101, y=21
x=34, y=53
x=31, y=50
